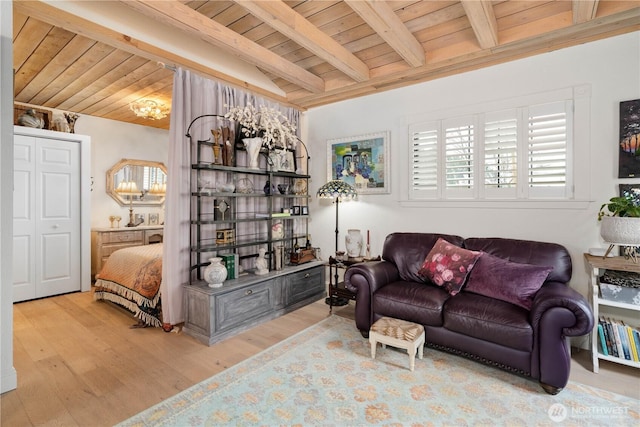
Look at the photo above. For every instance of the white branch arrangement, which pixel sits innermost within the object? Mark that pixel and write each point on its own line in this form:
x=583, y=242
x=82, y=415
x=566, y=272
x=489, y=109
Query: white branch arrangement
x=274, y=128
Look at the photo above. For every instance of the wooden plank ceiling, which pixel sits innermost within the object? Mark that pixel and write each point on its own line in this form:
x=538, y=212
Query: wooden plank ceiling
x=318, y=52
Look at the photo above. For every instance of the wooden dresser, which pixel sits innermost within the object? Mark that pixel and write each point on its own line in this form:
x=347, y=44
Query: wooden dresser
x=105, y=241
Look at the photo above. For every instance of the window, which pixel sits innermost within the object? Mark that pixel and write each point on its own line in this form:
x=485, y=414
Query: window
x=516, y=153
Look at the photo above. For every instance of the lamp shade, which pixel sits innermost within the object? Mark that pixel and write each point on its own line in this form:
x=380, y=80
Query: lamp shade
x=127, y=187
x=337, y=189
x=623, y=231
x=158, y=189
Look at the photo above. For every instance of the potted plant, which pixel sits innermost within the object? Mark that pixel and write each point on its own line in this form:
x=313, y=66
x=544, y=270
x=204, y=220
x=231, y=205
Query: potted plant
x=621, y=219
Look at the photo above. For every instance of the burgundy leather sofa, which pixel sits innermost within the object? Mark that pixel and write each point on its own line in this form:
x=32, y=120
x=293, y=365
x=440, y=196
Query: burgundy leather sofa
x=532, y=343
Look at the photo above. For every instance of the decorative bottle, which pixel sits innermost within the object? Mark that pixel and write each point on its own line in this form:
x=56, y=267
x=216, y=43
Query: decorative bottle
x=215, y=273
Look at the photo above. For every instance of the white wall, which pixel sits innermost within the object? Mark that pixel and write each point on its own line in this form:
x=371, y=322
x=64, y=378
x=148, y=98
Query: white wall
x=611, y=67
x=112, y=141
x=8, y=376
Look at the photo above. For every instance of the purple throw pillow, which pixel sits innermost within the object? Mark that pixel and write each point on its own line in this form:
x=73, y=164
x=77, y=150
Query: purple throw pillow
x=507, y=281
x=448, y=265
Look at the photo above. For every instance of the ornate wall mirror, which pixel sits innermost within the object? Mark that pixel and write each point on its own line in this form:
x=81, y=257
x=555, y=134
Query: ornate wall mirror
x=137, y=182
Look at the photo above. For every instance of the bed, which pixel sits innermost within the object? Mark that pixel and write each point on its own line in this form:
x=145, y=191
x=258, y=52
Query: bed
x=131, y=278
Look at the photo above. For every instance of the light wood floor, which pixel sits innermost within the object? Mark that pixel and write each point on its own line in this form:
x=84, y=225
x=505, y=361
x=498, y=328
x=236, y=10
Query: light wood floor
x=80, y=364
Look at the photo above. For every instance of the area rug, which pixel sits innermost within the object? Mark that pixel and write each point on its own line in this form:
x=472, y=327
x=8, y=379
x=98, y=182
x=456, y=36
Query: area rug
x=325, y=376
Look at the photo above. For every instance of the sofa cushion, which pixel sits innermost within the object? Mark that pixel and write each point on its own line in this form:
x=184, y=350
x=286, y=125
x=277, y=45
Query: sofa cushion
x=416, y=302
x=527, y=252
x=489, y=319
x=508, y=281
x=408, y=250
x=448, y=265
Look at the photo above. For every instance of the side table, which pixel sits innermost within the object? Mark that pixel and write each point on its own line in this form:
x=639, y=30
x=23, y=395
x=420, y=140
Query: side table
x=339, y=295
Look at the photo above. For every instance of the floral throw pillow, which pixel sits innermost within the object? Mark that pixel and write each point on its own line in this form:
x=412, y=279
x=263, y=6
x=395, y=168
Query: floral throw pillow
x=448, y=265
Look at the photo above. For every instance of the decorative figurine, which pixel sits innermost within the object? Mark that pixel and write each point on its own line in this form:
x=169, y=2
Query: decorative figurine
x=30, y=119
x=71, y=119
x=261, y=263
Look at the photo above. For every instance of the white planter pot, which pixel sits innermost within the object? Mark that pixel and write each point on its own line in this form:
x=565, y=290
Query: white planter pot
x=623, y=231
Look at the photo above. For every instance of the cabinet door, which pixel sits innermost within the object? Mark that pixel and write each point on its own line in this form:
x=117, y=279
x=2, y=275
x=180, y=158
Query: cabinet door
x=304, y=284
x=244, y=305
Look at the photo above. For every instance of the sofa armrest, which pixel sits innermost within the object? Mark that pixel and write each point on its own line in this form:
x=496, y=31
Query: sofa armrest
x=558, y=312
x=364, y=280
x=559, y=295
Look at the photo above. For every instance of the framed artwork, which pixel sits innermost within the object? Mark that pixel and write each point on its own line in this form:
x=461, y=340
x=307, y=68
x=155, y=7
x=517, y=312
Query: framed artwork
x=139, y=219
x=154, y=219
x=285, y=160
x=295, y=210
x=361, y=161
x=629, y=142
x=304, y=210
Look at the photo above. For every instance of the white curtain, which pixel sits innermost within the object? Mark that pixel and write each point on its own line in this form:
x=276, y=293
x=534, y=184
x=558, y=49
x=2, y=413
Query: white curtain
x=193, y=96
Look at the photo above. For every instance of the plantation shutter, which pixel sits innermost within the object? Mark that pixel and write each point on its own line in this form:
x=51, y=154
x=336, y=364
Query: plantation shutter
x=500, y=154
x=459, y=157
x=424, y=166
x=548, y=150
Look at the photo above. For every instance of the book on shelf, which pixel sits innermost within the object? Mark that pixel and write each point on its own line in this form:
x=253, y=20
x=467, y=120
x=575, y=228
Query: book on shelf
x=613, y=348
x=603, y=340
x=624, y=340
x=632, y=345
x=272, y=215
x=618, y=340
x=229, y=261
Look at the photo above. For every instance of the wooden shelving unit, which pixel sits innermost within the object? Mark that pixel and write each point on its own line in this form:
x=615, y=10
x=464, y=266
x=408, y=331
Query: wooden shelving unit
x=595, y=265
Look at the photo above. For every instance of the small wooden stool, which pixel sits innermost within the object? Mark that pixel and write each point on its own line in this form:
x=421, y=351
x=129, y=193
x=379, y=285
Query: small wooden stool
x=398, y=333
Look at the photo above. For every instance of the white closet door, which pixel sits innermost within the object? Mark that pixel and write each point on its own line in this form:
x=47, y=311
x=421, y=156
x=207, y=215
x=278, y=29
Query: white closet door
x=46, y=217
x=24, y=247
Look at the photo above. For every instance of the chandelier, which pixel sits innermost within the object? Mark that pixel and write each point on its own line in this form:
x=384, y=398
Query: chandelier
x=149, y=109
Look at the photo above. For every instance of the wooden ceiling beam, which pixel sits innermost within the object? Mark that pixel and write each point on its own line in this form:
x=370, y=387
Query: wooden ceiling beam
x=184, y=18
x=584, y=10
x=602, y=27
x=483, y=21
x=384, y=21
x=296, y=27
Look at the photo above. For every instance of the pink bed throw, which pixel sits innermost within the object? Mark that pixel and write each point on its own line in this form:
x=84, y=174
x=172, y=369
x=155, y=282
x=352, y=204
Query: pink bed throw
x=131, y=278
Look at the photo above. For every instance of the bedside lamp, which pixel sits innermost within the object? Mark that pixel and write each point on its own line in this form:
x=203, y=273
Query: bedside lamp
x=129, y=188
x=341, y=192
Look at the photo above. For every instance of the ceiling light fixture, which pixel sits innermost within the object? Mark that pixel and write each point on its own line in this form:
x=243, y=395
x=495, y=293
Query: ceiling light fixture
x=149, y=109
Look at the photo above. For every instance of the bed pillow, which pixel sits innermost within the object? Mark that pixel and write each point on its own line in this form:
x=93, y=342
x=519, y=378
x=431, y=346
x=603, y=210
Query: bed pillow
x=507, y=281
x=448, y=265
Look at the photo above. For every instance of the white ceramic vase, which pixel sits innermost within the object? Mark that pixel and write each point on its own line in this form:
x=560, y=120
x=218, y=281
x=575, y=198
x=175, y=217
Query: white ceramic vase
x=353, y=241
x=215, y=273
x=253, y=146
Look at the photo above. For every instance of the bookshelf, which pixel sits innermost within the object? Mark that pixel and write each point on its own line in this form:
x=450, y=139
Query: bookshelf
x=600, y=305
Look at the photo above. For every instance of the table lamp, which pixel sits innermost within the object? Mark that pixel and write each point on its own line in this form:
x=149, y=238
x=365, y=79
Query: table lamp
x=129, y=188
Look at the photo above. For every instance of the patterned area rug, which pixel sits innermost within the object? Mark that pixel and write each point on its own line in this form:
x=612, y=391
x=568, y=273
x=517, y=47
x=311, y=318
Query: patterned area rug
x=325, y=376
